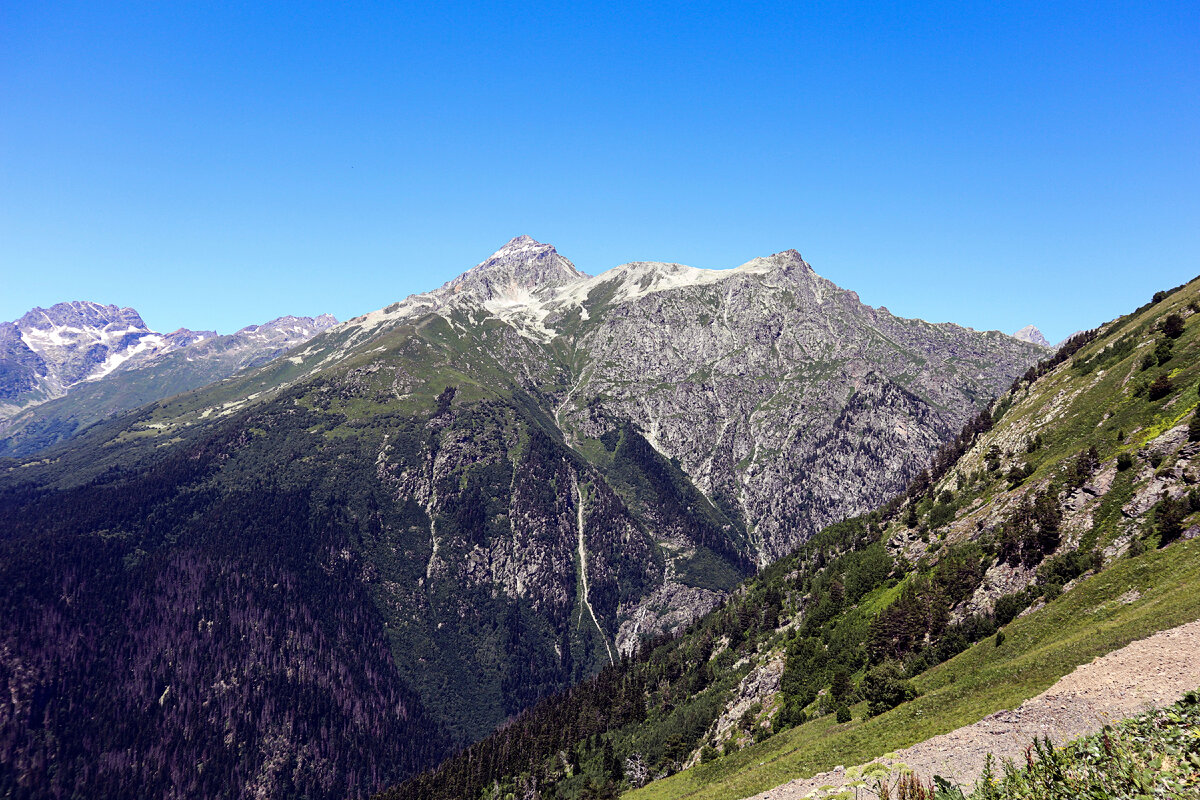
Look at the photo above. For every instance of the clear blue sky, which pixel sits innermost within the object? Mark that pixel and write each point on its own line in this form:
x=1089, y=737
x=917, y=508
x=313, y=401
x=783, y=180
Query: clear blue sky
x=217, y=164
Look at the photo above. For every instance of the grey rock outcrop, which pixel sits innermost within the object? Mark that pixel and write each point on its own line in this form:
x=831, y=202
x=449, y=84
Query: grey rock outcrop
x=1031, y=334
x=514, y=273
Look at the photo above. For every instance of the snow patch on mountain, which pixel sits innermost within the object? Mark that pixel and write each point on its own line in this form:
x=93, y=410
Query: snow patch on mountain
x=152, y=343
x=49, y=351
x=639, y=279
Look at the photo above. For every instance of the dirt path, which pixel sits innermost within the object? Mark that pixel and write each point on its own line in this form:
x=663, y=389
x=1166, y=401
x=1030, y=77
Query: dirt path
x=1155, y=671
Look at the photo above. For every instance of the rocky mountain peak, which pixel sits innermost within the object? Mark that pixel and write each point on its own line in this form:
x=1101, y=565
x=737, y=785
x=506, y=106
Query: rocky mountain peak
x=288, y=328
x=788, y=262
x=522, y=267
x=290, y=322
x=638, y=279
x=1031, y=334
x=81, y=340
x=80, y=314
x=50, y=352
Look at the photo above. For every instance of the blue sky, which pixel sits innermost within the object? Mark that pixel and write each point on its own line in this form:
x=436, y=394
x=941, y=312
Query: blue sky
x=217, y=164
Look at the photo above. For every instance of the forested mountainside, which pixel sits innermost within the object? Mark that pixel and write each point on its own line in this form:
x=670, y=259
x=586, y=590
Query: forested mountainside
x=65, y=367
x=1057, y=526
x=509, y=483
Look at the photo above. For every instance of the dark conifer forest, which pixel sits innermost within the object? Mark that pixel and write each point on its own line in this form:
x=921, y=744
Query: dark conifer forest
x=196, y=643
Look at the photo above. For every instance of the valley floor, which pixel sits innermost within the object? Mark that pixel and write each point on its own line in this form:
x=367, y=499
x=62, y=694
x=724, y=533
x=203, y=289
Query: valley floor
x=1151, y=672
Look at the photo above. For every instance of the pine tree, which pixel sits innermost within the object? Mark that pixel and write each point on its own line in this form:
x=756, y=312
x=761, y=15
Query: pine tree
x=1173, y=326
x=1161, y=387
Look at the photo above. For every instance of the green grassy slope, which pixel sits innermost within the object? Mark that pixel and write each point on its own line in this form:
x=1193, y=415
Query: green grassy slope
x=1053, y=499
x=1038, y=649
x=1101, y=398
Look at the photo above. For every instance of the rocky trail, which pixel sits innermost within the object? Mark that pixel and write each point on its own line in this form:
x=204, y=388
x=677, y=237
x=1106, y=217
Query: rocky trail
x=1151, y=672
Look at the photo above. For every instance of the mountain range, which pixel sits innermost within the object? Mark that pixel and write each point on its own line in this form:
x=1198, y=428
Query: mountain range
x=67, y=366
x=1061, y=524
x=759, y=380
x=324, y=574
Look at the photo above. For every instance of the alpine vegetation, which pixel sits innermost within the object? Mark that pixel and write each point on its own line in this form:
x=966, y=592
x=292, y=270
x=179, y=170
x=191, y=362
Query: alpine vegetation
x=322, y=575
x=1057, y=527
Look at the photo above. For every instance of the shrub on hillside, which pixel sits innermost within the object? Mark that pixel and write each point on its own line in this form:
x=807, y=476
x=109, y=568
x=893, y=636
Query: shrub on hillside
x=1017, y=475
x=941, y=514
x=1173, y=326
x=884, y=687
x=1161, y=387
x=1009, y=606
x=1082, y=467
x=790, y=714
x=1168, y=519
x=1066, y=567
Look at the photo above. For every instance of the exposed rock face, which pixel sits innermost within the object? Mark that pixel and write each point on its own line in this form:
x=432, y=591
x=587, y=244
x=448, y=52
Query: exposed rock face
x=72, y=342
x=20, y=367
x=1076, y=465
x=284, y=331
x=785, y=398
x=515, y=273
x=787, y=401
x=759, y=687
x=706, y=420
x=511, y=527
x=1031, y=334
x=670, y=607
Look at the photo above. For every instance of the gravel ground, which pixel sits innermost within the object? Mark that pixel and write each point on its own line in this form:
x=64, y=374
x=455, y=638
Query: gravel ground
x=1155, y=671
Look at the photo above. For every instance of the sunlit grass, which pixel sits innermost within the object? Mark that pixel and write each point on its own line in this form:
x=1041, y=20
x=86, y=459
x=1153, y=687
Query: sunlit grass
x=1082, y=624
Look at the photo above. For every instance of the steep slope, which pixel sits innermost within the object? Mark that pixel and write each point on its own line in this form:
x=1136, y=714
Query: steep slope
x=92, y=372
x=788, y=402
x=1149, y=673
x=1048, y=533
x=477, y=472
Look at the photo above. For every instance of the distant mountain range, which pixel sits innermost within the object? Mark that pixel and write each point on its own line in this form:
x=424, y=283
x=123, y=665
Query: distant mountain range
x=73, y=364
x=497, y=487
